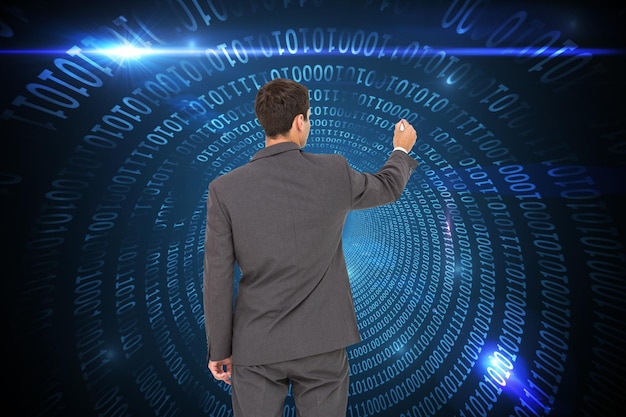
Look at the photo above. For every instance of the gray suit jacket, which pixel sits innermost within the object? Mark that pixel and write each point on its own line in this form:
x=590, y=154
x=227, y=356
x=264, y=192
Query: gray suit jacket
x=281, y=218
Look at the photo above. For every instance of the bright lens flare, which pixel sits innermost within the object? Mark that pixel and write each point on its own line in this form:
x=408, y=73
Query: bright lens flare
x=126, y=52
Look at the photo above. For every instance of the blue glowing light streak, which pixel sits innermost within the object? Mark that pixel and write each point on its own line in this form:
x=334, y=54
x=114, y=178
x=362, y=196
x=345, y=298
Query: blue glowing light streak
x=129, y=51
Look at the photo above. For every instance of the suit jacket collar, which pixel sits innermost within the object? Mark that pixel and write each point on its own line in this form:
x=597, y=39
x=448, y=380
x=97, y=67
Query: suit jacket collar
x=275, y=150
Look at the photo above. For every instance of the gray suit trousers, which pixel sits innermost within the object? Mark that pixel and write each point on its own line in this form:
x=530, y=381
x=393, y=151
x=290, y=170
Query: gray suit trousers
x=319, y=386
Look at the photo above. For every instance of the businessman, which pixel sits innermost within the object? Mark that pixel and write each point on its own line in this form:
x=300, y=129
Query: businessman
x=280, y=218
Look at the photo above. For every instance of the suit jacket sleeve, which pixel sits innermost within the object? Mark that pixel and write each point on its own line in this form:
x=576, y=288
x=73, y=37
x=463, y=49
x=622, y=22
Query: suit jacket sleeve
x=383, y=187
x=218, y=292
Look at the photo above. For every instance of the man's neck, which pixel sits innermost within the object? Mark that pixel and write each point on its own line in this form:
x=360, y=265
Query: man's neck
x=279, y=139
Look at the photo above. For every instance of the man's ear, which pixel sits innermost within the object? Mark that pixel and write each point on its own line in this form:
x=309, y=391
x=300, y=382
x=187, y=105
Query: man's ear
x=299, y=120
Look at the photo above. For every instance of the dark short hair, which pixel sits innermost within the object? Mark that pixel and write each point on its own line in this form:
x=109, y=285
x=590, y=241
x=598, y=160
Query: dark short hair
x=278, y=102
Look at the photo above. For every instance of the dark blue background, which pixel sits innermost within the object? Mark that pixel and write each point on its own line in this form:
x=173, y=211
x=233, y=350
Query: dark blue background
x=494, y=286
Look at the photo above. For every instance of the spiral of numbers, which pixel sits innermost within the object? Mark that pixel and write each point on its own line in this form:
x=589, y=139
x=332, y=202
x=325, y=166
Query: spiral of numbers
x=478, y=293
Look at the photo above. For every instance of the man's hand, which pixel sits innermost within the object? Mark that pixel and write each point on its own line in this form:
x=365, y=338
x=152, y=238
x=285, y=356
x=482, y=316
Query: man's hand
x=404, y=135
x=221, y=370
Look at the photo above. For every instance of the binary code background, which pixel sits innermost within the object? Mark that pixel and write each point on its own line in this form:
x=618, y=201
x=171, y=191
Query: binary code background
x=495, y=286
